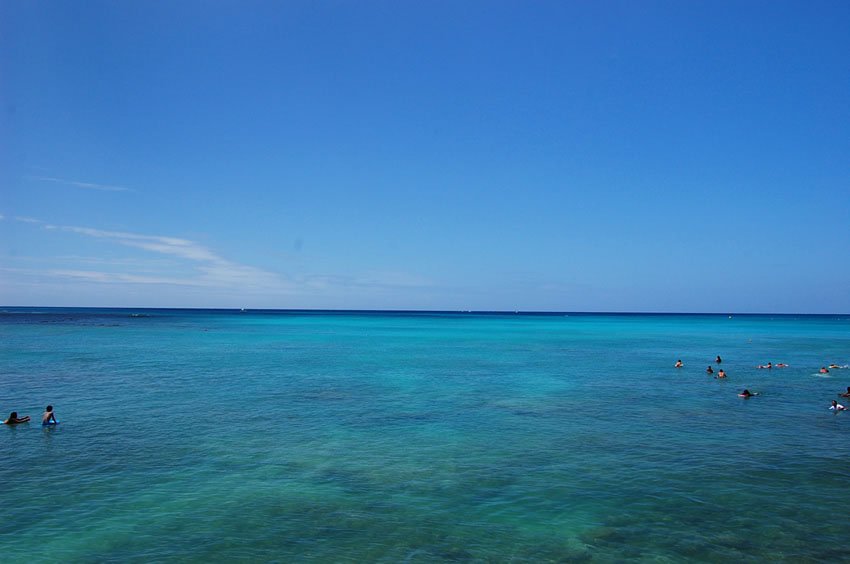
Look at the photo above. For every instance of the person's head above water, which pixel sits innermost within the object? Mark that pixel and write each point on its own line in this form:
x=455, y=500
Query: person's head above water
x=13, y=415
x=49, y=408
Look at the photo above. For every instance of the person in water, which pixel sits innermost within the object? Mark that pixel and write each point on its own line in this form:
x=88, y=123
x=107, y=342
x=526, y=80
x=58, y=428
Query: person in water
x=709, y=370
x=846, y=394
x=14, y=420
x=48, y=418
x=746, y=394
x=679, y=364
x=834, y=366
x=721, y=374
x=781, y=365
x=823, y=370
x=836, y=406
x=718, y=360
x=768, y=365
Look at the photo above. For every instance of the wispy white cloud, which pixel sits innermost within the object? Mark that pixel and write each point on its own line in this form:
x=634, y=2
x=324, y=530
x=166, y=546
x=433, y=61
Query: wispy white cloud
x=84, y=185
x=210, y=268
x=122, y=262
x=2, y=217
x=158, y=244
x=123, y=278
x=28, y=220
x=201, y=271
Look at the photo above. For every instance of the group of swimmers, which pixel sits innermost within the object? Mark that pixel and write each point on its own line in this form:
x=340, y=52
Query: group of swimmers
x=770, y=365
x=748, y=394
x=47, y=418
x=720, y=372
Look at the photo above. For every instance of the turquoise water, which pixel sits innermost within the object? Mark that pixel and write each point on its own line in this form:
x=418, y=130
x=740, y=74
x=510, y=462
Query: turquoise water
x=260, y=436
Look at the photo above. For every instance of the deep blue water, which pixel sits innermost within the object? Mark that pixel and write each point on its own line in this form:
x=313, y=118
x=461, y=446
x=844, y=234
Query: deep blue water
x=198, y=435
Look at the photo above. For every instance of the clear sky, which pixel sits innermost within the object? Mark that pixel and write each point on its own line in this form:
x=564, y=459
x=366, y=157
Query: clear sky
x=580, y=156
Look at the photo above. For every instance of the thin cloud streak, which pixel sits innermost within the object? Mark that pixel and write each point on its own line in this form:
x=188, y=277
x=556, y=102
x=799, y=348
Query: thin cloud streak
x=214, y=270
x=143, y=263
x=123, y=278
x=85, y=185
x=166, y=245
x=183, y=263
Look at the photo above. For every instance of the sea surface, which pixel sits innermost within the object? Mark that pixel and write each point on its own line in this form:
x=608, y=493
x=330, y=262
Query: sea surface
x=212, y=435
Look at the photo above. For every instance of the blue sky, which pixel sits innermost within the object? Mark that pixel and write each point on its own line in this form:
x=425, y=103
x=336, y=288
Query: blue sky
x=578, y=156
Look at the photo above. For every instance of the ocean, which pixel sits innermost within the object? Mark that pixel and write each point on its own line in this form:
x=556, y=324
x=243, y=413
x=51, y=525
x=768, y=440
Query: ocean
x=280, y=436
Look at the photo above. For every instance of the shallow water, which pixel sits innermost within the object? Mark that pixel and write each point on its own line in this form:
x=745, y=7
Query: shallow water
x=270, y=436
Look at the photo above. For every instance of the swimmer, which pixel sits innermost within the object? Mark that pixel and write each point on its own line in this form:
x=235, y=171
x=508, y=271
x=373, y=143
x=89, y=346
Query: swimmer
x=678, y=364
x=747, y=394
x=823, y=370
x=846, y=394
x=718, y=360
x=14, y=420
x=781, y=365
x=709, y=370
x=48, y=418
x=834, y=366
x=836, y=406
x=721, y=374
x=769, y=365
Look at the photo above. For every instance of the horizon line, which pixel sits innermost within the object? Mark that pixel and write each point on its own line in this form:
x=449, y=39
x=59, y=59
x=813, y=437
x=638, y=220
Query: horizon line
x=422, y=311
